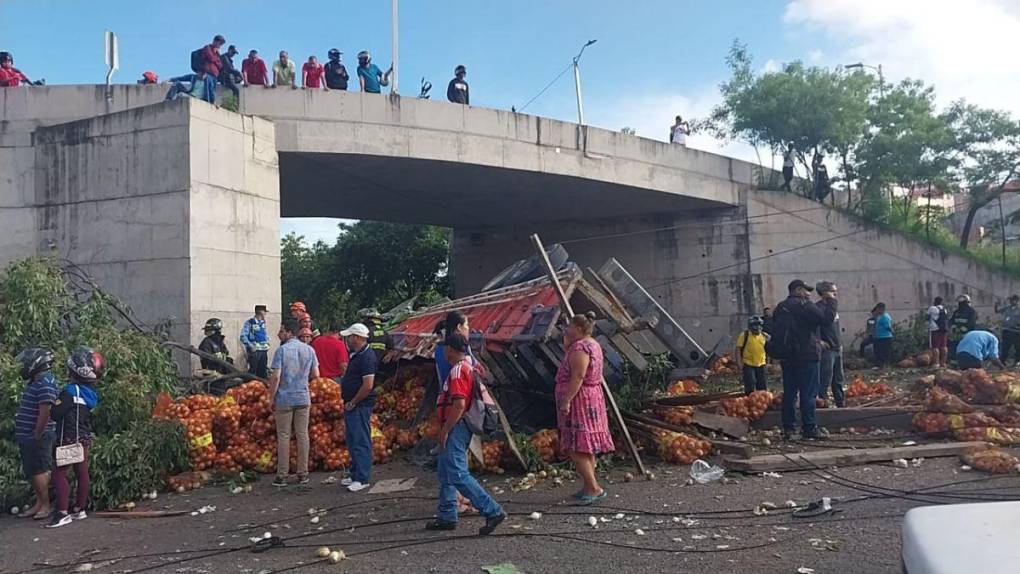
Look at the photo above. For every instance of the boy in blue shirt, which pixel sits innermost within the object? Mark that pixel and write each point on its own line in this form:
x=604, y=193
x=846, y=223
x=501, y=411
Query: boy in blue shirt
x=34, y=430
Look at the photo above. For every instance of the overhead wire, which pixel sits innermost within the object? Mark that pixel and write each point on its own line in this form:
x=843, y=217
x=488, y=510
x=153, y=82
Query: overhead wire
x=546, y=88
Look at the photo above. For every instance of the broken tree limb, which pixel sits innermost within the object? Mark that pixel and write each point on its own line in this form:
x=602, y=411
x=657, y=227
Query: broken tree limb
x=843, y=457
x=565, y=303
x=233, y=371
x=692, y=400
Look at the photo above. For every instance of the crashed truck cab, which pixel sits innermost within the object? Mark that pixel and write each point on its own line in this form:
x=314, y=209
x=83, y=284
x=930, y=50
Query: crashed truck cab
x=516, y=324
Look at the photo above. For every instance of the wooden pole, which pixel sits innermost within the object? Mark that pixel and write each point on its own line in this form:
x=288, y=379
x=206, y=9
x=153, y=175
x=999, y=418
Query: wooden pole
x=215, y=360
x=555, y=281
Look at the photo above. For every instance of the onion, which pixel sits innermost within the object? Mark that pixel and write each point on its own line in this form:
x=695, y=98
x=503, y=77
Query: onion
x=322, y=552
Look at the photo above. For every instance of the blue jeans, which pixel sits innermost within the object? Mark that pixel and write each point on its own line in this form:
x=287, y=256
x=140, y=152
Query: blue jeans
x=359, y=442
x=800, y=379
x=454, y=477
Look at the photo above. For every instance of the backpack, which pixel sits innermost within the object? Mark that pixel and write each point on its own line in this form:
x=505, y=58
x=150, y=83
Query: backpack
x=198, y=60
x=482, y=417
x=942, y=322
x=781, y=346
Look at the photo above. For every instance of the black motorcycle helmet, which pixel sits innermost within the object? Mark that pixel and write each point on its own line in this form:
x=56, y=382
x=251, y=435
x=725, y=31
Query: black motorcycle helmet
x=34, y=360
x=213, y=325
x=86, y=365
x=335, y=54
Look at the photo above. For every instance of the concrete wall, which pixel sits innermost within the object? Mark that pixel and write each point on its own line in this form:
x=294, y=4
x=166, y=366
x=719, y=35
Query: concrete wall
x=173, y=207
x=712, y=270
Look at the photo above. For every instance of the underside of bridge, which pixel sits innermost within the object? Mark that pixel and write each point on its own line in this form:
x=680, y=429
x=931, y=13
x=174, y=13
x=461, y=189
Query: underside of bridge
x=457, y=195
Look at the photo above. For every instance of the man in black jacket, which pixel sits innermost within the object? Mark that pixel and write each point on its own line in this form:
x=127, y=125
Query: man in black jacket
x=457, y=91
x=796, y=322
x=336, y=73
x=830, y=369
x=229, y=76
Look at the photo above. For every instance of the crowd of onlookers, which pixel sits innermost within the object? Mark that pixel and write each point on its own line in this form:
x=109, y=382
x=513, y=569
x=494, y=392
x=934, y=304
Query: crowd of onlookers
x=805, y=338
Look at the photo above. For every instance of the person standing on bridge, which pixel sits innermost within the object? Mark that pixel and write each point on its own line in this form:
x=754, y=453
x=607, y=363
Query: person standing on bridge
x=336, y=72
x=679, y=131
x=229, y=76
x=211, y=63
x=371, y=77
x=11, y=77
x=457, y=91
x=255, y=340
x=284, y=71
x=253, y=70
x=311, y=74
x=788, y=162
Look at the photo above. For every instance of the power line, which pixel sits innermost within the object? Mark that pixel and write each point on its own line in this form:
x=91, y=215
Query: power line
x=547, y=86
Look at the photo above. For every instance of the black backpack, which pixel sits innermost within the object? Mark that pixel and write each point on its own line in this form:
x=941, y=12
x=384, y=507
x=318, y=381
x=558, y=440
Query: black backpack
x=942, y=322
x=198, y=60
x=781, y=345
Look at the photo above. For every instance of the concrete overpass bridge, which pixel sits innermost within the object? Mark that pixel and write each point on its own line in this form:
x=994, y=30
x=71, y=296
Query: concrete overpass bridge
x=176, y=206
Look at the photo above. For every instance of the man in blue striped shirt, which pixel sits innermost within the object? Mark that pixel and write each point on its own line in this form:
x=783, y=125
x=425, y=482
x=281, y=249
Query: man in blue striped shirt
x=33, y=428
x=255, y=341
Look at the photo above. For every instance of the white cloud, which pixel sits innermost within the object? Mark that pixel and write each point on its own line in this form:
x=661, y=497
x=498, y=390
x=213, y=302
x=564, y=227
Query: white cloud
x=966, y=49
x=312, y=228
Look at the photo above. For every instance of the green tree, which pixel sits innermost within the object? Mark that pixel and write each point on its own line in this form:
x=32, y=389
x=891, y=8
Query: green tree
x=371, y=264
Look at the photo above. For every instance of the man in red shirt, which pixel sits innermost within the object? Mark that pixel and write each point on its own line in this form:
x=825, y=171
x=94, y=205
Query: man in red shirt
x=10, y=77
x=454, y=437
x=332, y=353
x=311, y=73
x=253, y=70
x=211, y=56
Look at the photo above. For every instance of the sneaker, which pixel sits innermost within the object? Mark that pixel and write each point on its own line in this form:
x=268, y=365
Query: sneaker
x=59, y=519
x=80, y=515
x=491, y=523
x=440, y=525
x=357, y=486
x=816, y=434
x=789, y=434
x=302, y=479
x=280, y=481
x=346, y=481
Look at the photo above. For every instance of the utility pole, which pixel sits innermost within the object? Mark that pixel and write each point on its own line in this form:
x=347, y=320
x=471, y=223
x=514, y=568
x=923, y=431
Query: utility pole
x=393, y=80
x=112, y=62
x=577, y=82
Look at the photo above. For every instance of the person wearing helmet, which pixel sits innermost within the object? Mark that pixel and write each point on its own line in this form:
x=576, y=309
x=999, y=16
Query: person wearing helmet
x=305, y=335
x=750, y=355
x=73, y=414
x=297, y=308
x=962, y=321
x=149, y=78
x=457, y=91
x=11, y=77
x=379, y=340
x=369, y=75
x=214, y=343
x=34, y=429
x=336, y=72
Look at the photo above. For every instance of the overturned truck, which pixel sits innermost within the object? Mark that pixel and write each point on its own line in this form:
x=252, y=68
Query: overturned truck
x=516, y=332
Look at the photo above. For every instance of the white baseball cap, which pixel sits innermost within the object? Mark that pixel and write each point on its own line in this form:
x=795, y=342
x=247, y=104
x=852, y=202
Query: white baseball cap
x=358, y=329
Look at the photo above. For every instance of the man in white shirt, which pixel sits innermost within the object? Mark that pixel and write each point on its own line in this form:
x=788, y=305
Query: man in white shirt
x=938, y=332
x=679, y=132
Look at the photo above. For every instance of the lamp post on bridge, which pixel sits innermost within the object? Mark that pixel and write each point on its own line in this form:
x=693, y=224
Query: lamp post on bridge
x=878, y=68
x=577, y=82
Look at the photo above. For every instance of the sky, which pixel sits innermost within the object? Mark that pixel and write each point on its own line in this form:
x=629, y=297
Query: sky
x=654, y=59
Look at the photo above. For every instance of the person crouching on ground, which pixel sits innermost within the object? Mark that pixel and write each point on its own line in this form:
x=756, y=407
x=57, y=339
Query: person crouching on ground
x=750, y=355
x=294, y=364
x=581, y=406
x=454, y=437
x=73, y=413
x=34, y=429
x=357, y=387
x=975, y=348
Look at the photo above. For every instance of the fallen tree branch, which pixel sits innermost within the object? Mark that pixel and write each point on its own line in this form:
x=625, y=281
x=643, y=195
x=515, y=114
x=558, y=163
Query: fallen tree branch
x=232, y=370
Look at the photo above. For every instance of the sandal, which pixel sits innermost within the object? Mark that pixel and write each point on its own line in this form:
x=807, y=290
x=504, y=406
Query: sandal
x=588, y=499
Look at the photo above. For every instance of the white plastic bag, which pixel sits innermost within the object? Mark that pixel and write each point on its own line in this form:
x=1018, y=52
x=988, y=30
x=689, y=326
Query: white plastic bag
x=704, y=473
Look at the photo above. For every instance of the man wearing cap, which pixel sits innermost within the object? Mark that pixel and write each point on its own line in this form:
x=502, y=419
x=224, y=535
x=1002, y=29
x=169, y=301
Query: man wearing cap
x=229, y=76
x=255, y=341
x=830, y=369
x=457, y=91
x=357, y=387
x=796, y=322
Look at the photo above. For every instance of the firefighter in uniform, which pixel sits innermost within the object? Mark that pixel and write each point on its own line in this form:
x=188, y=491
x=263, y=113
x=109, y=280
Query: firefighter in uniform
x=378, y=339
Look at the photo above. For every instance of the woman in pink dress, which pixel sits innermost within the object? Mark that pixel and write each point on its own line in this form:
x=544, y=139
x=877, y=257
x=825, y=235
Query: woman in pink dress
x=581, y=406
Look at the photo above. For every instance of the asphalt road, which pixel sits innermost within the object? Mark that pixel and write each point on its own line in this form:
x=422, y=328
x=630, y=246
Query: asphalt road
x=686, y=528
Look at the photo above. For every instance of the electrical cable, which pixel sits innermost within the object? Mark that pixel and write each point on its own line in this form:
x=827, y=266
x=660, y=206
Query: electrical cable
x=547, y=86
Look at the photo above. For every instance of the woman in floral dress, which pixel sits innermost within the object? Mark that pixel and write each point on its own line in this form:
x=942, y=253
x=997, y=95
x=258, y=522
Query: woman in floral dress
x=581, y=406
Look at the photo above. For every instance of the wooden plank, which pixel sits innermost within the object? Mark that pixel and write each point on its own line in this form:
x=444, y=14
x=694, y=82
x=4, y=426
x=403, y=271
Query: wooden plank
x=729, y=426
x=565, y=303
x=896, y=418
x=735, y=448
x=692, y=400
x=843, y=457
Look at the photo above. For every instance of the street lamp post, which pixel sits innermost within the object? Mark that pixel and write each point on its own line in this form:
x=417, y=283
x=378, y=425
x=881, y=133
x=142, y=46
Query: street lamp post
x=577, y=83
x=878, y=68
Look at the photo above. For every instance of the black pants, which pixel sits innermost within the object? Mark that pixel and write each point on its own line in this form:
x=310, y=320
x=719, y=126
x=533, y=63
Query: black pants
x=883, y=351
x=868, y=340
x=787, y=178
x=230, y=83
x=1010, y=343
x=258, y=363
x=754, y=379
x=966, y=361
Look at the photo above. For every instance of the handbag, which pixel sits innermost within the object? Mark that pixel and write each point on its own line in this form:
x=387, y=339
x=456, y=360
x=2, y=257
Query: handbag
x=72, y=453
